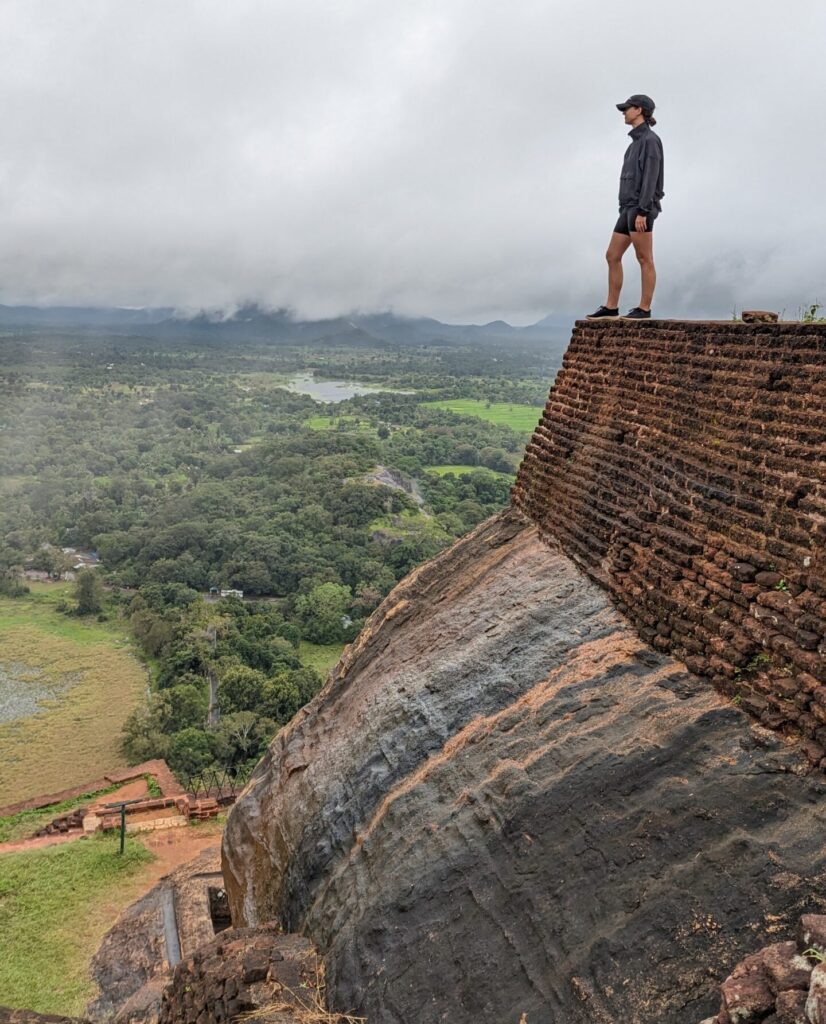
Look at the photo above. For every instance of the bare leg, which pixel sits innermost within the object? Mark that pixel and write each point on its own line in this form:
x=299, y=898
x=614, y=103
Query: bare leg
x=616, y=248
x=644, y=248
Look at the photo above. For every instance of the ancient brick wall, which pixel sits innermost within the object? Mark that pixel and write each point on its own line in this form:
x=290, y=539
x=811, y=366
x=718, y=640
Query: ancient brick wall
x=683, y=465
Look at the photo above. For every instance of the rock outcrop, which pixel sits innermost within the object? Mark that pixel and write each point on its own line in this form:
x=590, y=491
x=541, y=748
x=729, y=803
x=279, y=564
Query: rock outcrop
x=504, y=802
x=134, y=962
x=510, y=798
x=163, y=962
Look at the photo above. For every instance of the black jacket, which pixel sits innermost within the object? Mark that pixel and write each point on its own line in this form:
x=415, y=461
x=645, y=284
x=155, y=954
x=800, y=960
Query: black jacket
x=641, y=180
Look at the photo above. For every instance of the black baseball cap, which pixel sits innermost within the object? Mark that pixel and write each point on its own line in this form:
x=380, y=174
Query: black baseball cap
x=637, y=100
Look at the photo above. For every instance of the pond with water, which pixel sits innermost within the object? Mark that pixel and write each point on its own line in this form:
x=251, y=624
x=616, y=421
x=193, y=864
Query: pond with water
x=335, y=390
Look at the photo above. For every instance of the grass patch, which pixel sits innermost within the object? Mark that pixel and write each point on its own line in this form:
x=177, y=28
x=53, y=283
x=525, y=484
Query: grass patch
x=38, y=610
x=461, y=470
x=522, y=418
x=321, y=657
x=409, y=523
x=96, y=681
x=337, y=423
x=263, y=379
x=55, y=906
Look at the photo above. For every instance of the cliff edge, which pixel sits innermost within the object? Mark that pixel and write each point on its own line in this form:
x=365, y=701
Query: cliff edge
x=511, y=797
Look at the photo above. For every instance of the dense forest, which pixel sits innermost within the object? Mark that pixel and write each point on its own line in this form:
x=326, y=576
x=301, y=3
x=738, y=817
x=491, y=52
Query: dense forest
x=183, y=471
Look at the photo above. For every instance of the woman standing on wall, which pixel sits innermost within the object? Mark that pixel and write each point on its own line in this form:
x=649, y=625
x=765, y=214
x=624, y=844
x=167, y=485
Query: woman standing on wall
x=640, y=192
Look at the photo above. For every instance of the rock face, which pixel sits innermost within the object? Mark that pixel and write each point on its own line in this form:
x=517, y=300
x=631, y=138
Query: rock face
x=134, y=962
x=504, y=803
x=683, y=466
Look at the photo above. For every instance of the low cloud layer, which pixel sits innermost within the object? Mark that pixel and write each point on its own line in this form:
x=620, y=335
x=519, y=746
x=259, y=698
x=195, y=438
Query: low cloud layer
x=456, y=158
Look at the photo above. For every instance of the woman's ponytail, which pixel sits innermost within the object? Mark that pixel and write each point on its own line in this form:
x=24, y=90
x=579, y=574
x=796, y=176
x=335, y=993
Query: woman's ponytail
x=649, y=117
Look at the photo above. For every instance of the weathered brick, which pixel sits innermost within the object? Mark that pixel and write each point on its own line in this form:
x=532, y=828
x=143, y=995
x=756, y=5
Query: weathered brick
x=698, y=493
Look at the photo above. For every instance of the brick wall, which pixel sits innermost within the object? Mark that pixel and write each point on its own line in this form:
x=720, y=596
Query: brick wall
x=683, y=465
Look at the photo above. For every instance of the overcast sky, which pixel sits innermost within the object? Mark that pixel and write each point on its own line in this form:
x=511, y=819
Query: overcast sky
x=454, y=158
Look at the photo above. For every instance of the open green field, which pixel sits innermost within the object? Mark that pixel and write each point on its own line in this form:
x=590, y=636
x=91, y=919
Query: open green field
x=459, y=470
x=262, y=379
x=408, y=523
x=92, y=681
x=519, y=417
x=337, y=423
x=56, y=904
x=251, y=442
x=321, y=657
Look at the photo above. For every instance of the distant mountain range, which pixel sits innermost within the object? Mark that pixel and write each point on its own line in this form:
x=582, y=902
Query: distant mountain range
x=252, y=323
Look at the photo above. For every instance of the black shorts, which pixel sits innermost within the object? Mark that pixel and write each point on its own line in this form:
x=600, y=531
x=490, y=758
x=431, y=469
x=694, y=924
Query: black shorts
x=628, y=214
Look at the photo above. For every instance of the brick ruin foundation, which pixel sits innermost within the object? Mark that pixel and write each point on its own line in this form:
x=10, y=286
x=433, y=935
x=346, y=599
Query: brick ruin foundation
x=683, y=465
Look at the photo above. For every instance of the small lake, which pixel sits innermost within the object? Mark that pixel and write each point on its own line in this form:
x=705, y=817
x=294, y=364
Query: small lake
x=24, y=690
x=335, y=390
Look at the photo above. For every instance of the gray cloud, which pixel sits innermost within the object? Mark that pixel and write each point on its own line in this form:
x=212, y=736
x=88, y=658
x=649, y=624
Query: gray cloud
x=455, y=158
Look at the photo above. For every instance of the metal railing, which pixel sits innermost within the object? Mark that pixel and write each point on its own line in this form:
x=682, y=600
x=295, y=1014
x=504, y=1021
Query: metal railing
x=222, y=784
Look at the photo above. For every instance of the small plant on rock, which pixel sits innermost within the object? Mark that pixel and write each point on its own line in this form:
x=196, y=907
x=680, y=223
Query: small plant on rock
x=758, y=663
x=809, y=314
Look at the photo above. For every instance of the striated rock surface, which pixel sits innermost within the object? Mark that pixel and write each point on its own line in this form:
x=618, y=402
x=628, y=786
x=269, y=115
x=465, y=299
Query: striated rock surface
x=504, y=803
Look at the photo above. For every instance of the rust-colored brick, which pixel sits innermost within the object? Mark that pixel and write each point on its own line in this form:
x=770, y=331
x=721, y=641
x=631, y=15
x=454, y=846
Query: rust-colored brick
x=683, y=465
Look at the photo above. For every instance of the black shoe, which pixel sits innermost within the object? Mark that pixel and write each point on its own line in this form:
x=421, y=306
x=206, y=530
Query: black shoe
x=602, y=312
x=638, y=314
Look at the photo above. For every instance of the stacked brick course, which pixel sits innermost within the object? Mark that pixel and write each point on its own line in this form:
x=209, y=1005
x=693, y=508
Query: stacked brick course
x=683, y=465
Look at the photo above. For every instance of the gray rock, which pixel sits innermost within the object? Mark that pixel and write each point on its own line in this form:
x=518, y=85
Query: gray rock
x=504, y=802
x=816, y=1000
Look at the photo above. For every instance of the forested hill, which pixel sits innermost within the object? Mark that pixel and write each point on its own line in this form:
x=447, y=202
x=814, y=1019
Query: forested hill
x=253, y=323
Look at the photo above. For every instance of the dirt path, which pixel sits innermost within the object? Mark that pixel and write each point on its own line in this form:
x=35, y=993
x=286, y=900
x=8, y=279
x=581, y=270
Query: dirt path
x=175, y=846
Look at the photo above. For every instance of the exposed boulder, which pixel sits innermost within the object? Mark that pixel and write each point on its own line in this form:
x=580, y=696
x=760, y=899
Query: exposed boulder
x=505, y=803
x=784, y=983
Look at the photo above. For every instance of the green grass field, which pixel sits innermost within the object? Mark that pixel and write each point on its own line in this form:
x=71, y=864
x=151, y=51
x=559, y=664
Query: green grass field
x=262, y=379
x=459, y=470
x=73, y=738
x=56, y=904
x=321, y=657
x=409, y=523
x=251, y=442
x=337, y=422
x=522, y=418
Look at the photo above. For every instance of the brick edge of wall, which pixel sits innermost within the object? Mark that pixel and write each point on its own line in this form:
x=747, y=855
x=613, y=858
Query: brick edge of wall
x=682, y=465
